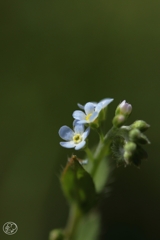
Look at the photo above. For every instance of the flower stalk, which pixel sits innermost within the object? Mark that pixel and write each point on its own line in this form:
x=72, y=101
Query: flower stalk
x=121, y=143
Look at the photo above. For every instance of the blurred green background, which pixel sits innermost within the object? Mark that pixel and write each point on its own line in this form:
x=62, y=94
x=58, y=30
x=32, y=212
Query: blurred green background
x=53, y=55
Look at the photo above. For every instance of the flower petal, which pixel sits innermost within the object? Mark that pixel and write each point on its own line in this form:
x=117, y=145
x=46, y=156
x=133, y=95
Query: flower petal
x=79, y=128
x=99, y=107
x=80, y=106
x=86, y=133
x=93, y=117
x=75, y=122
x=89, y=108
x=80, y=145
x=82, y=121
x=106, y=101
x=79, y=115
x=70, y=144
x=66, y=133
x=95, y=103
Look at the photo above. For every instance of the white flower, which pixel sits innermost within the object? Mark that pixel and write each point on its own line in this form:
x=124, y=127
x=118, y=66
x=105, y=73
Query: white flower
x=91, y=111
x=75, y=139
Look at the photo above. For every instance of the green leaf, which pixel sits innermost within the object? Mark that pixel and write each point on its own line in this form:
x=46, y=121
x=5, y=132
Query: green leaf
x=77, y=185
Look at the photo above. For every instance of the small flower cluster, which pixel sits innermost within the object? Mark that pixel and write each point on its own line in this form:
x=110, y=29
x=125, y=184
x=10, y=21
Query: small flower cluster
x=91, y=114
x=126, y=140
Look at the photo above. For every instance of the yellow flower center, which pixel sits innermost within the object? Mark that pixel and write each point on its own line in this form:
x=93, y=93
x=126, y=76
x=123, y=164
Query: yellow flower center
x=77, y=138
x=88, y=116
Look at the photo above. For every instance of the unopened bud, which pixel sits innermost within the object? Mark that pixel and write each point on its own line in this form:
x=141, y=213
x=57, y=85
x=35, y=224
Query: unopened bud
x=140, y=125
x=127, y=157
x=136, y=136
x=124, y=108
x=118, y=120
x=130, y=146
x=143, y=140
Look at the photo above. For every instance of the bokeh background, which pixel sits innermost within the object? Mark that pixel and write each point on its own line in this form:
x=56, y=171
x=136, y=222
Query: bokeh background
x=53, y=55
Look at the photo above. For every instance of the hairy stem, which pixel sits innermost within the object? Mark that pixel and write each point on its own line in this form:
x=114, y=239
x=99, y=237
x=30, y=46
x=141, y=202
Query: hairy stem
x=102, y=150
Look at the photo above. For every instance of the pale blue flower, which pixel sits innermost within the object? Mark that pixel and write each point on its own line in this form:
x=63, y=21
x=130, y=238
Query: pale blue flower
x=74, y=139
x=91, y=111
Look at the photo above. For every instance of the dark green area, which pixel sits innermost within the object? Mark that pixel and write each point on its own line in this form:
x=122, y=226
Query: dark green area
x=55, y=54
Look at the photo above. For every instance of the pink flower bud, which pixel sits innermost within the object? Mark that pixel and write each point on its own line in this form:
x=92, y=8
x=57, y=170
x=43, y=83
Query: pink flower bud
x=125, y=108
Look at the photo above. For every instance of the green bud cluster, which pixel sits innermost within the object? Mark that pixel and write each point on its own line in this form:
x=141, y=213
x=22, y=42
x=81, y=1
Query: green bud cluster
x=133, y=152
x=126, y=146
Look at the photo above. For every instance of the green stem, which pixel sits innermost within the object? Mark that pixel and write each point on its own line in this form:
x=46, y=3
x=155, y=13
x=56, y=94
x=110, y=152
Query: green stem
x=89, y=154
x=103, y=149
x=74, y=217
